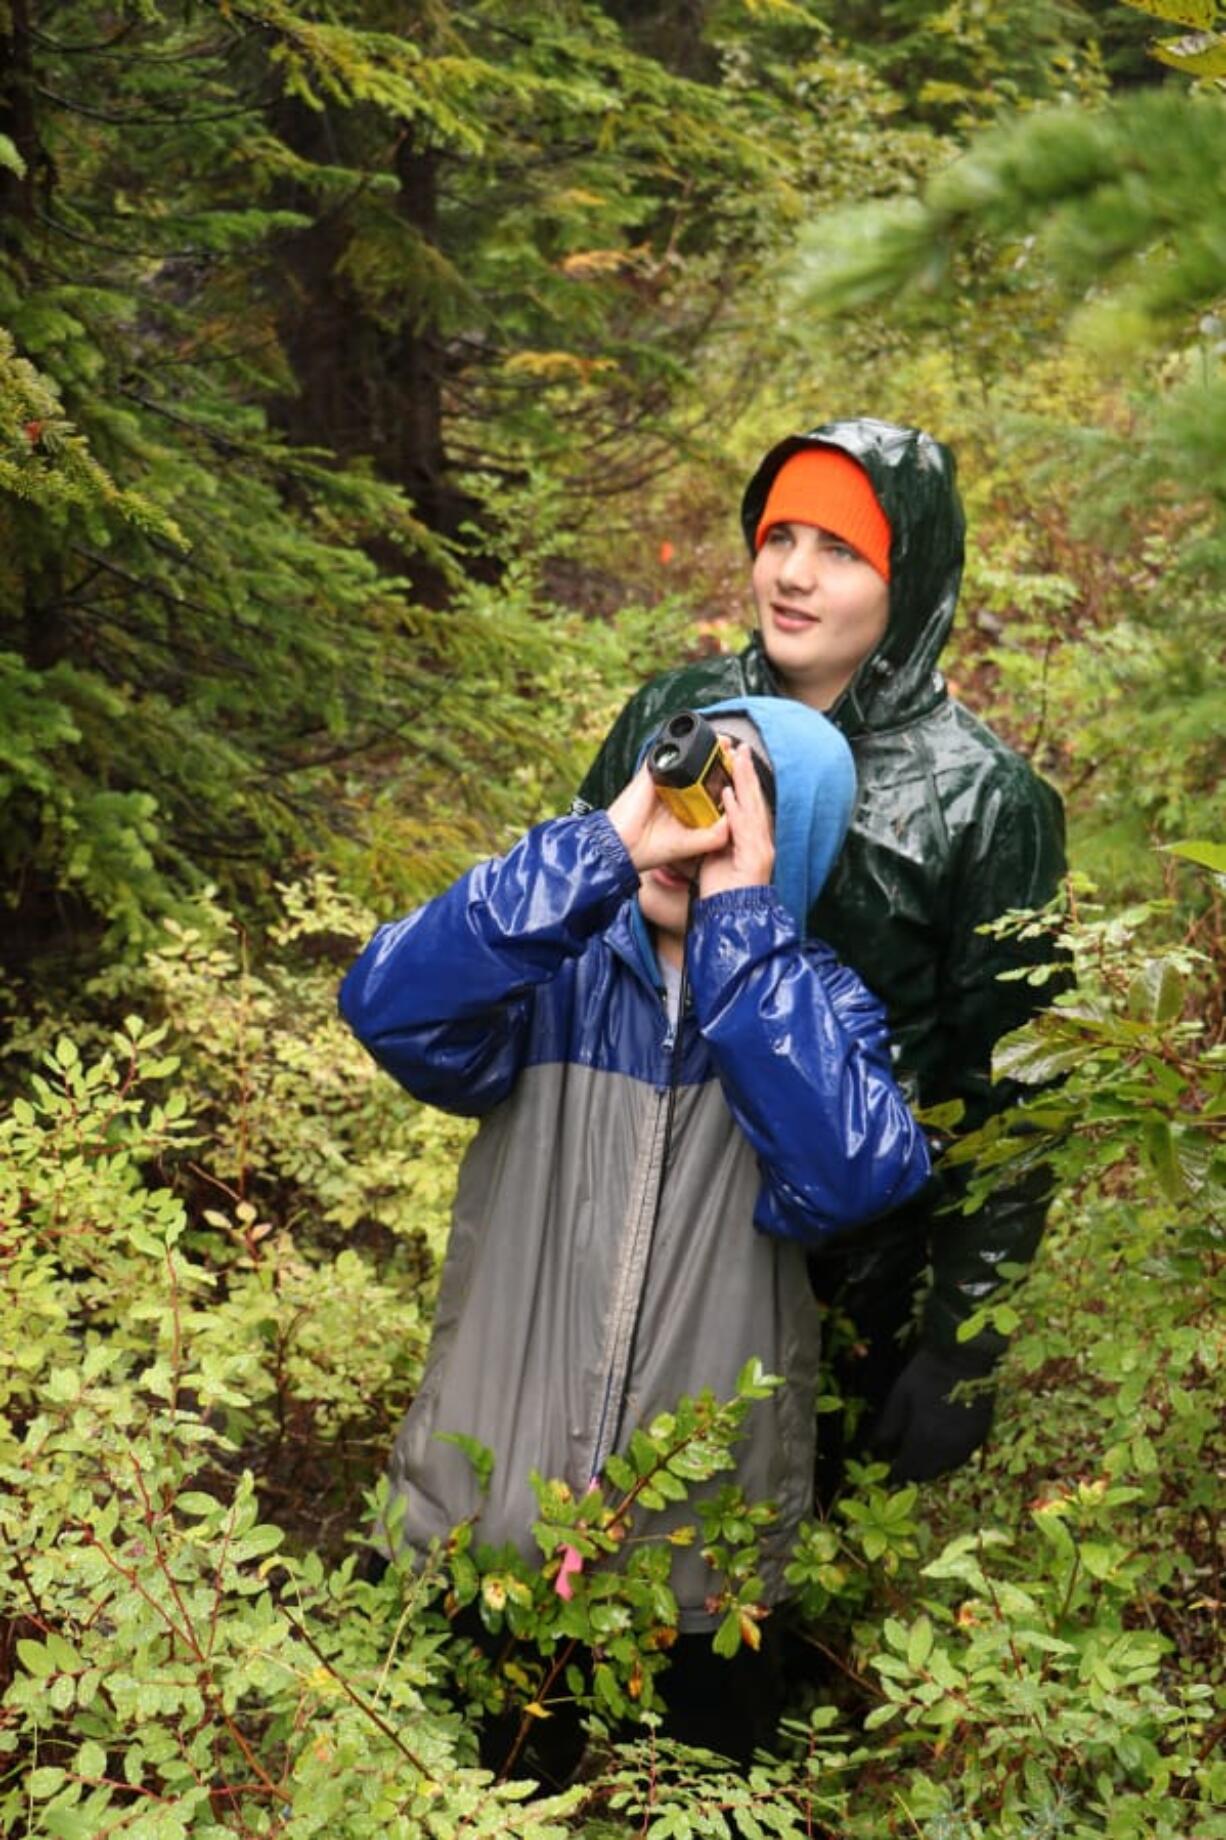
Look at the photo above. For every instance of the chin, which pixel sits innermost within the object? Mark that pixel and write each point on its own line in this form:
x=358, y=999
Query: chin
x=664, y=911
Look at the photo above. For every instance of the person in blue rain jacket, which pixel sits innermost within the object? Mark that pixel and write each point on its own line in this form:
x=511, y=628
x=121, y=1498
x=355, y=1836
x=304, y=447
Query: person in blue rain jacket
x=616, y=1244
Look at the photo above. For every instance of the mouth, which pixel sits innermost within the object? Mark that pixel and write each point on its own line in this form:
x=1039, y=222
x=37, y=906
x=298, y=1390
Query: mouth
x=670, y=878
x=791, y=619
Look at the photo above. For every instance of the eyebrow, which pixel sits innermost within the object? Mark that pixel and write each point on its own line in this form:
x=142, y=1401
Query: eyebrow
x=808, y=524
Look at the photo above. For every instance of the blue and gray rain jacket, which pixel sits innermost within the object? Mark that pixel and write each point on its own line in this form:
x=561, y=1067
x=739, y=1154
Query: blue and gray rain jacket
x=591, y=1280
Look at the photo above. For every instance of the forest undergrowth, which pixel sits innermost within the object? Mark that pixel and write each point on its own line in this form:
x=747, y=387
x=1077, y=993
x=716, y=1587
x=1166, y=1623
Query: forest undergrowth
x=221, y=1230
x=369, y=426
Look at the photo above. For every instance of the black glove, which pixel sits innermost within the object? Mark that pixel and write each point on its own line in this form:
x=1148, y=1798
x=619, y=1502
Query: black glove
x=922, y=1432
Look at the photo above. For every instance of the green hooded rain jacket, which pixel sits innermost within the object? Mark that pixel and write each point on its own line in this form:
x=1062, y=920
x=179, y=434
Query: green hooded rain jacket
x=951, y=829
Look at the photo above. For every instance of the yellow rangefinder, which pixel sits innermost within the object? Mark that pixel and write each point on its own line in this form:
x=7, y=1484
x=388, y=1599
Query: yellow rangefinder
x=690, y=766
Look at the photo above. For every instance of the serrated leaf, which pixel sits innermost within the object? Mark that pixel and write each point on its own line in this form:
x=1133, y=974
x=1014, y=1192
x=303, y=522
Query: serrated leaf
x=195, y=1501
x=880, y=1715
x=1032, y=1061
x=727, y=1639
x=1194, y=1152
x=1158, y=1147
x=751, y=1631
x=62, y=1653
x=1144, y=1456
x=39, y=1784
x=479, y=1455
x=1201, y=850
x=91, y=1759
x=261, y=1539
x=1197, y=13
x=642, y=1453
x=35, y=1659
x=619, y=1473
x=1157, y=991
x=753, y=1381
x=895, y=1634
x=1203, y=55
x=941, y=1117
x=919, y=1643
x=1098, y=1558
x=82, y=1823
x=1048, y=1644
x=1054, y=1532
x=945, y=1674
x=963, y=1566
x=10, y=158
x=670, y=1486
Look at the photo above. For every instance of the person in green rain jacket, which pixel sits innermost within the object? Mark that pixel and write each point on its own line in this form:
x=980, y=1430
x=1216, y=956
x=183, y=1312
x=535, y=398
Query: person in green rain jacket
x=856, y=533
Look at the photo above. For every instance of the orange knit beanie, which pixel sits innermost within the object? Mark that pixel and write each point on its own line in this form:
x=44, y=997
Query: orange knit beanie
x=825, y=487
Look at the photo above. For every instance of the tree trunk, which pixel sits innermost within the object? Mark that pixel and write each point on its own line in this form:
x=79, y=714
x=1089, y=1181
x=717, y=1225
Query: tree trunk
x=670, y=31
x=362, y=389
x=413, y=451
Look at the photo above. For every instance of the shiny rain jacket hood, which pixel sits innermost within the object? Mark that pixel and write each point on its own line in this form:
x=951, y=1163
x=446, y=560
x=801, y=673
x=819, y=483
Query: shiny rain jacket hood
x=951, y=830
x=603, y=1258
x=913, y=478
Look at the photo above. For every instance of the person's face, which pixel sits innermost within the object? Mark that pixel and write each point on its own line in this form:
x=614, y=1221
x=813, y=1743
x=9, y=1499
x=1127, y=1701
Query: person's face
x=664, y=900
x=821, y=607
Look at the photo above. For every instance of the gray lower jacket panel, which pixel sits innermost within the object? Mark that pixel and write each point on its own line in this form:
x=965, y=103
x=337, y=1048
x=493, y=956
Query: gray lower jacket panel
x=545, y=1251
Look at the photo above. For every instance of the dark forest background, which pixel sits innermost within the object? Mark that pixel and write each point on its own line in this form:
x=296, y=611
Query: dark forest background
x=377, y=383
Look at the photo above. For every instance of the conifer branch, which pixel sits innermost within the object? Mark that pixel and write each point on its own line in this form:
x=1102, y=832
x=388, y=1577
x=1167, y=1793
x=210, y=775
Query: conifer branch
x=256, y=106
x=119, y=249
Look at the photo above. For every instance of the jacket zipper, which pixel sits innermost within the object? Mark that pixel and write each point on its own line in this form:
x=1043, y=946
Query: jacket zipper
x=637, y=1234
x=643, y=1219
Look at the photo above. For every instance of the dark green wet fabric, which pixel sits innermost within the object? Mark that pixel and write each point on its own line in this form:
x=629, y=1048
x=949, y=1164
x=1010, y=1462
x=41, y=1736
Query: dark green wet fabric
x=951, y=829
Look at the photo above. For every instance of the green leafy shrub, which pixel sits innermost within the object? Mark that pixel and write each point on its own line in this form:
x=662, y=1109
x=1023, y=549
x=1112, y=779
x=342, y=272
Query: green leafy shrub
x=218, y=1235
x=172, y=1666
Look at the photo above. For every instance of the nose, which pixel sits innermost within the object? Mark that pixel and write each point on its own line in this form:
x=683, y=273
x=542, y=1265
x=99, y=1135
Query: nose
x=796, y=570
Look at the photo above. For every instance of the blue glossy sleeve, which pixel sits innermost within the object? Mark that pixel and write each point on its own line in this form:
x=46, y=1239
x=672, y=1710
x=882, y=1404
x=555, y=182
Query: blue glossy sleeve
x=803, y=1056
x=443, y=998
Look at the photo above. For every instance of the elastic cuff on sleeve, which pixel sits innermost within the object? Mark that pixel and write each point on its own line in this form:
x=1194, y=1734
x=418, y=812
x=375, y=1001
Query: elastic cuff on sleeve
x=759, y=898
x=609, y=846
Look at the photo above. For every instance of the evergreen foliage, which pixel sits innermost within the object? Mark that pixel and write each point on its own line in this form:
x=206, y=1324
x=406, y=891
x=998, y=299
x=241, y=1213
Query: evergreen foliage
x=286, y=296
x=1125, y=194
x=332, y=342
x=190, y=622
x=959, y=66
x=1028, y=215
